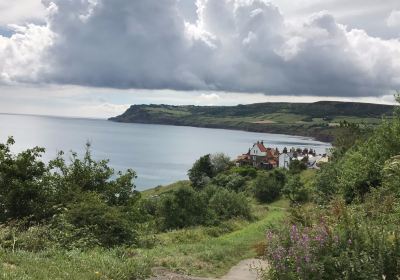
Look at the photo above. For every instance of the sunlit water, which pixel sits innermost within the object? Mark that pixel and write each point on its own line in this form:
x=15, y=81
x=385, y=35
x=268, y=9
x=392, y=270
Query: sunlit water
x=160, y=154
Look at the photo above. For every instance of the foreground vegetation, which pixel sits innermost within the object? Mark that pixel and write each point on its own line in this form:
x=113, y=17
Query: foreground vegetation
x=78, y=219
x=199, y=251
x=319, y=119
x=348, y=228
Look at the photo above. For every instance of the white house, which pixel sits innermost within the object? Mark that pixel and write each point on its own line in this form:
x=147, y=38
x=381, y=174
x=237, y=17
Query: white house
x=258, y=150
x=285, y=159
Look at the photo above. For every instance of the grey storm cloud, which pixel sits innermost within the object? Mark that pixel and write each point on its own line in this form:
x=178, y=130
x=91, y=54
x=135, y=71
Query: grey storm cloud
x=234, y=45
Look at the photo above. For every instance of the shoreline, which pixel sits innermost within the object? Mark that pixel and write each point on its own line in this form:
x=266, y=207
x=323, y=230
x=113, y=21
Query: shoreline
x=325, y=138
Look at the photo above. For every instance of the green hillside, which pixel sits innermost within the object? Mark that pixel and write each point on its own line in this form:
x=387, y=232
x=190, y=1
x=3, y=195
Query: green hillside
x=317, y=119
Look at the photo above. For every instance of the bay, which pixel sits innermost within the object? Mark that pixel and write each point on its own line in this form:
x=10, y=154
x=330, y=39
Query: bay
x=160, y=154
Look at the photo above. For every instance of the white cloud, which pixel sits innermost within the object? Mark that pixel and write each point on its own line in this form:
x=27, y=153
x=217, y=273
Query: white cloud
x=235, y=45
x=22, y=55
x=21, y=11
x=394, y=19
x=208, y=99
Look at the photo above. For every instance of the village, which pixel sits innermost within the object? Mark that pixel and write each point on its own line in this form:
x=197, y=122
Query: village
x=262, y=157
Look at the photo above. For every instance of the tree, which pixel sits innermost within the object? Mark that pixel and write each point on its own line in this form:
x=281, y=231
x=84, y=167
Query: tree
x=296, y=166
x=88, y=175
x=294, y=190
x=201, y=172
x=347, y=135
x=267, y=186
x=228, y=204
x=86, y=194
x=220, y=162
x=183, y=208
x=108, y=225
x=24, y=188
x=326, y=182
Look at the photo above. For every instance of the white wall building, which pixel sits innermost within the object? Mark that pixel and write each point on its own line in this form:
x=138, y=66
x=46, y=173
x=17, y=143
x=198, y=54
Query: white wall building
x=284, y=160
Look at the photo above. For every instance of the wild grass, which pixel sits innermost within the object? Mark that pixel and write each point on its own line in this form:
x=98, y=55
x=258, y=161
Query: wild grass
x=199, y=253
x=74, y=265
x=202, y=251
x=165, y=189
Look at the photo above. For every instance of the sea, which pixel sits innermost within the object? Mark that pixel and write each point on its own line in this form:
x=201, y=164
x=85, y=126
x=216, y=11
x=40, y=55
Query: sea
x=160, y=154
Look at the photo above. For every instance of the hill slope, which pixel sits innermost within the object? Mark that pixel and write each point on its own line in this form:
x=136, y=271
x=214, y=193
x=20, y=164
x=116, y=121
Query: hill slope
x=307, y=119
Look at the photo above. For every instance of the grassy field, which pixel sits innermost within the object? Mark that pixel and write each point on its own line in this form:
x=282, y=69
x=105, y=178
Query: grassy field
x=164, y=189
x=198, y=252
x=317, y=119
x=203, y=251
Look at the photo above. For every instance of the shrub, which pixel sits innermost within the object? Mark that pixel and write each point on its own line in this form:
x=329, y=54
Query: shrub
x=109, y=225
x=17, y=237
x=342, y=242
x=326, y=183
x=201, y=172
x=24, y=189
x=361, y=167
x=296, y=166
x=231, y=181
x=183, y=208
x=220, y=162
x=295, y=190
x=245, y=171
x=87, y=175
x=186, y=207
x=78, y=203
x=391, y=175
x=229, y=204
x=267, y=187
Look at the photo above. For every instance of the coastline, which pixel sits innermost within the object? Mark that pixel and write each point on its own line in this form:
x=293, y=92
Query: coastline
x=323, y=134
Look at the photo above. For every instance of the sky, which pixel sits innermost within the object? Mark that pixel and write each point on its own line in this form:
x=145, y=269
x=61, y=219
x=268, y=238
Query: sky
x=95, y=58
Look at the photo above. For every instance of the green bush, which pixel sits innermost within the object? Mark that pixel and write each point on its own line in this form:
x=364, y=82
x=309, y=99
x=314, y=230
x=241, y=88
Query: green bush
x=267, y=186
x=326, y=184
x=229, y=204
x=186, y=207
x=183, y=208
x=391, y=175
x=36, y=238
x=360, y=169
x=230, y=181
x=109, y=225
x=220, y=162
x=296, y=166
x=295, y=190
x=83, y=202
x=244, y=171
x=201, y=172
x=24, y=189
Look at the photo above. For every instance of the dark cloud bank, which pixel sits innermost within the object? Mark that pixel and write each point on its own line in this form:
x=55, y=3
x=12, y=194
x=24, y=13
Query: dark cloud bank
x=235, y=45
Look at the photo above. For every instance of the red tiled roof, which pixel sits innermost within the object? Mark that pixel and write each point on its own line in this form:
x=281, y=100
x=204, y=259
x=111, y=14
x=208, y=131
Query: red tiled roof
x=243, y=157
x=261, y=147
x=271, y=154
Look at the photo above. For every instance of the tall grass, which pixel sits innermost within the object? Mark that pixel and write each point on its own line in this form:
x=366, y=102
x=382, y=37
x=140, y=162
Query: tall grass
x=204, y=251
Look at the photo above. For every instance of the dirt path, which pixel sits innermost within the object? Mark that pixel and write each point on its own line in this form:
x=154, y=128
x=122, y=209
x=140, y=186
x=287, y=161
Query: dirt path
x=244, y=270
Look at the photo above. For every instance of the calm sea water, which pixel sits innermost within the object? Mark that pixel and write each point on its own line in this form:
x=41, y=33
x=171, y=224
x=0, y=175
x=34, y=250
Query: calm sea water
x=160, y=154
